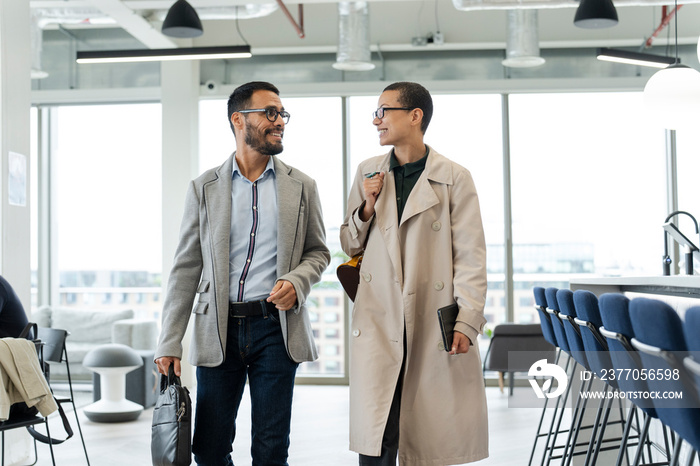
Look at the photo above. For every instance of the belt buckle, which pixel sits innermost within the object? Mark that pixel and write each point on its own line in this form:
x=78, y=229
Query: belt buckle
x=232, y=311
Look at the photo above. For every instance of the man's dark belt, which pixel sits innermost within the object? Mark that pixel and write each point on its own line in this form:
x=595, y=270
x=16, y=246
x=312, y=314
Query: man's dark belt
x=250, y=308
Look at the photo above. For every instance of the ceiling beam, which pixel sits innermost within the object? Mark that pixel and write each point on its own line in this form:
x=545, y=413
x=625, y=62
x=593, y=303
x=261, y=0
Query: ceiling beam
x=134, y=24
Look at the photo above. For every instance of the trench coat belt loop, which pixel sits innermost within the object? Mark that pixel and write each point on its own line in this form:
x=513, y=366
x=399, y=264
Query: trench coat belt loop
x=250, y=308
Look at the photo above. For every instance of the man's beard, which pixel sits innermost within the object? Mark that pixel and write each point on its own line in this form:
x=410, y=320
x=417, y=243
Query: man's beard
x=256, y=140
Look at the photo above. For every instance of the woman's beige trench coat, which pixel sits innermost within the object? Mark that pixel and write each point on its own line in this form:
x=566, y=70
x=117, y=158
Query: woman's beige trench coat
x=436, y=256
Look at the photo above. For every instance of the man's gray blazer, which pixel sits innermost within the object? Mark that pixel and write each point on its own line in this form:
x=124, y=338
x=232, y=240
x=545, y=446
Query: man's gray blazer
x=201, y=265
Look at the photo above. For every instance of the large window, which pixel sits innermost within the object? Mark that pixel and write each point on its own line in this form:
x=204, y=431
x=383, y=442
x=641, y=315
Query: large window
x=588, y=190
x=108, y=198
x=312, y=144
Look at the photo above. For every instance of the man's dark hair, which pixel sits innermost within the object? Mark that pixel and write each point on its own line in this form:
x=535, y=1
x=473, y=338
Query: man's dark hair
x=413, y=95
x=240, y=97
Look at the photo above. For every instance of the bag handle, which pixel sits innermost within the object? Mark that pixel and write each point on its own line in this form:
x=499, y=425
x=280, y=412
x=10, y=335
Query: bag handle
x=168, y=380
x=53, y=441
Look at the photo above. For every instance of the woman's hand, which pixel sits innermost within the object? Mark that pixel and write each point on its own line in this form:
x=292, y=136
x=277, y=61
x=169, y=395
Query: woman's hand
x=372, y=187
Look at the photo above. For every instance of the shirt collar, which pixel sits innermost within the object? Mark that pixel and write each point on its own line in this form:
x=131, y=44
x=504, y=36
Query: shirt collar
x=269, y=167
x=409, y=168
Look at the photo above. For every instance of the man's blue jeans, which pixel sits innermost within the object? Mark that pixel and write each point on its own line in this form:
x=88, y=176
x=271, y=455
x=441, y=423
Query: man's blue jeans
x=255, y=350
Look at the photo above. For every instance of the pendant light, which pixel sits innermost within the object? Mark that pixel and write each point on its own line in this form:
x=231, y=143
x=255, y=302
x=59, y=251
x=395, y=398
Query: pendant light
x=595, y=14
x=672, y=95
x=182, y=21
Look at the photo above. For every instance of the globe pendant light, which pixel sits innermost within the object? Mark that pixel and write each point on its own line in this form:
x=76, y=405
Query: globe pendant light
x=595, y=14
x=672, y=95
x=182, y=21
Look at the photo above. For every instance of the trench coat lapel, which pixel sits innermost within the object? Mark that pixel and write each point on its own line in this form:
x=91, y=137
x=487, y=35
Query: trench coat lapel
x=423, y=196
x=289, y=192
x=217, y=202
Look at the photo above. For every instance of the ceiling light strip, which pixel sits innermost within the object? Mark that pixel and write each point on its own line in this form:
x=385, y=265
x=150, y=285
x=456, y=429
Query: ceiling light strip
x=143, y=55
x=635, y=58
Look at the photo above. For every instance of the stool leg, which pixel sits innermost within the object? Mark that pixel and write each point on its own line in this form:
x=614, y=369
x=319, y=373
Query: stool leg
x=625, y=436
x=642, y=440
x=539, y=425
x=603, y=425
x=547, y=447
x=561, y=415
x=676, y=452
x=576, y=421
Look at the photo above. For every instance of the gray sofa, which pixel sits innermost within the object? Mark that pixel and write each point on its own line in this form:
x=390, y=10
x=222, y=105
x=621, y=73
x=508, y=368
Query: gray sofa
x=90, y=329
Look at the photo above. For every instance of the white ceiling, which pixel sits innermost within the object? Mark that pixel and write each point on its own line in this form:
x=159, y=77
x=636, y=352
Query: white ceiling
x=393, y=23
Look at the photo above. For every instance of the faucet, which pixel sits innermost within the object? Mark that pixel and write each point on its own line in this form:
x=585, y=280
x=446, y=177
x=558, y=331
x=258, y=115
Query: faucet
x=680, y=238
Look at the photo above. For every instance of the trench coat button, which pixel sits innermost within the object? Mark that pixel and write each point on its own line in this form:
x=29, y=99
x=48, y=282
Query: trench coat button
x=356, y=332
x=441, y=346
x=437, y=226
x=438, y=285
x=367, y=277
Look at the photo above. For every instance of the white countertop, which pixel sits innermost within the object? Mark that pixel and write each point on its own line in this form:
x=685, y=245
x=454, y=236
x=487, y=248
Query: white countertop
x=679, y=291
x=682, y=281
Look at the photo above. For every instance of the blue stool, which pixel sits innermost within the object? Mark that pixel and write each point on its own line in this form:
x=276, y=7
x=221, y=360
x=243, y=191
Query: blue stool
x=550, y=336
x=618, y=332
x=553, y=309
x=589, y=321
x=659, y=338
x=568, y=315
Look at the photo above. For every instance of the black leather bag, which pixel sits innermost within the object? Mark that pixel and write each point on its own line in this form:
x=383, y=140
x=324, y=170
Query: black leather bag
x=171, y=440
x=349, y=275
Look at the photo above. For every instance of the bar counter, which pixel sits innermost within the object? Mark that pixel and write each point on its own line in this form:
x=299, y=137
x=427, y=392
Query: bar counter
x=679, y=291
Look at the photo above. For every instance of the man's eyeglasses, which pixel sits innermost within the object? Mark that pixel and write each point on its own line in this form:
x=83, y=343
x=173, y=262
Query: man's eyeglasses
x=379, y=113
x=271, y=113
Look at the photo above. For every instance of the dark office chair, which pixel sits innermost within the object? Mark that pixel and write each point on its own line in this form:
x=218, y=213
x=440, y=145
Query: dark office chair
x=27, y=417
x=659, y=338
x=54, y=341
x=514, y=348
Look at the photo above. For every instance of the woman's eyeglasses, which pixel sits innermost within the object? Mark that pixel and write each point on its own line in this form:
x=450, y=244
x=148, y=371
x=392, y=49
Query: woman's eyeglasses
x=379, y=113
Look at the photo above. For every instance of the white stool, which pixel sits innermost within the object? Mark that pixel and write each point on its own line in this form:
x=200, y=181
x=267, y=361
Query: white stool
x=112, y=362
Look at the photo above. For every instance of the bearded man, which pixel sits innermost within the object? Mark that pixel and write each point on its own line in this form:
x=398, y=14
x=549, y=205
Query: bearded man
x=252, y=244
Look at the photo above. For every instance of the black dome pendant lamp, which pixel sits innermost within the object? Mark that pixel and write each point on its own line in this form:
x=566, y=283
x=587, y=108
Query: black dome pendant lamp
x=596, y=14
x=182, y=21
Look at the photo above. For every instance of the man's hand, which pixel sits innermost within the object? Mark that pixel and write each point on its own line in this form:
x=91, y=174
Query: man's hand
x=164, y=362
x=460, y=343
x=283, y=295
